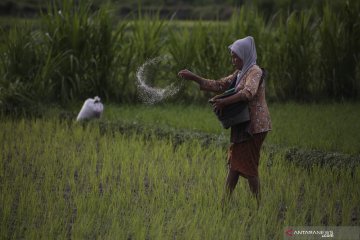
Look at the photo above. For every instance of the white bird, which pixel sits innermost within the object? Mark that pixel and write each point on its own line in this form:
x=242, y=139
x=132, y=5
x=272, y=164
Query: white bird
x=91, y=109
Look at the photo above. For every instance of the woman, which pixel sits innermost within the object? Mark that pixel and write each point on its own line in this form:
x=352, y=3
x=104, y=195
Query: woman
x=244, y=152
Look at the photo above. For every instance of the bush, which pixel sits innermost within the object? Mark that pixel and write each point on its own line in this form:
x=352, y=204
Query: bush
x=77, y=52
x=340, y=50
x=69, y=57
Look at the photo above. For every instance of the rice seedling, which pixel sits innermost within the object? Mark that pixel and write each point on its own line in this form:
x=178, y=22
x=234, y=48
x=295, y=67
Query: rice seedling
x=66, y=180
x=327, y=127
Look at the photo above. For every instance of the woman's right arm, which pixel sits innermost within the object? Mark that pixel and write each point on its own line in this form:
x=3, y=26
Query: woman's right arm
x=207, y=84
x=188, y=75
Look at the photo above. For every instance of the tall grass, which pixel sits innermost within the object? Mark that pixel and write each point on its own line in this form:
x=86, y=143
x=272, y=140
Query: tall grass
x=203, y=47
x=29, y=70
x=77, y=52
x=294, y=73
x=339, y=48
x=70, y=56
x=61, y=180
x=88, y=39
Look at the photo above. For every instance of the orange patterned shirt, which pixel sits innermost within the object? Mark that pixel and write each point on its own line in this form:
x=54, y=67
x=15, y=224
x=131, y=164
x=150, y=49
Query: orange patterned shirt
x=251, y=92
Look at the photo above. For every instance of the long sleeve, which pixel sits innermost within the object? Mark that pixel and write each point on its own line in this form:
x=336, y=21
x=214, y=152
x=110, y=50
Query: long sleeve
x=217, y=85
x=249, y=89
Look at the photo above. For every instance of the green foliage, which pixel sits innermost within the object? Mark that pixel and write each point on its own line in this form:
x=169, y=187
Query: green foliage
x=71, y=56
x=65, y=180
x=340, y=50
x=87, y=38
x=295, y=48
x=325, y=127
x=203, y=46
x=75, y=52
x=28, y=69
x=328, y=128
x=141, y=40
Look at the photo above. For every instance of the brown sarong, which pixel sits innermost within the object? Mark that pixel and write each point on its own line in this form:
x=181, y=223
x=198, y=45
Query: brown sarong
x=244, y=157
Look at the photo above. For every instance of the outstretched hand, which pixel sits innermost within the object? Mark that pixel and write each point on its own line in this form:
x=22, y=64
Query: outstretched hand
x=186, y=74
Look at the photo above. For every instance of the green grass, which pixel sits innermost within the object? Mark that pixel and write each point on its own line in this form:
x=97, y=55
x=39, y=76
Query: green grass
x=72, y=52
x=67, y=180
x=6, y=21
x=327, y=127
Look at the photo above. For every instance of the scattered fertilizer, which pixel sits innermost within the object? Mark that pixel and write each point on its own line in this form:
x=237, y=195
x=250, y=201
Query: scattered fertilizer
x=149, y=94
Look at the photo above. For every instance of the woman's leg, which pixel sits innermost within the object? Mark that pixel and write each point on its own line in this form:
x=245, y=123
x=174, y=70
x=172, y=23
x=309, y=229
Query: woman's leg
x=254, y=184
x=231, y=181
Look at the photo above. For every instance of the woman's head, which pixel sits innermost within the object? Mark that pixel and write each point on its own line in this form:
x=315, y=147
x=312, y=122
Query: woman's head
x=243, y=53
x=236, y=61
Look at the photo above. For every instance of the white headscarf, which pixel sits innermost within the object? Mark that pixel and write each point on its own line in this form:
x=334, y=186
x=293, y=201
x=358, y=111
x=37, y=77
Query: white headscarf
x=245, y=49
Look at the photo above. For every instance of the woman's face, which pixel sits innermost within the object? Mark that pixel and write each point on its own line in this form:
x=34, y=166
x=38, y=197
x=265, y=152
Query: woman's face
x=236, y=61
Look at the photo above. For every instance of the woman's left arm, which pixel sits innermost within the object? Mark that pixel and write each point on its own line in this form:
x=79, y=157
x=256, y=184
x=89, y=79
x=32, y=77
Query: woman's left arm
x=252, y=82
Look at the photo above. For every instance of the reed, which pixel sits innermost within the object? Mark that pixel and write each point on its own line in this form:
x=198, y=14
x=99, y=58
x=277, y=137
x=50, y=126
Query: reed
x=88, y=39
x=297, y=57
x=340, y=51
x=74, y=52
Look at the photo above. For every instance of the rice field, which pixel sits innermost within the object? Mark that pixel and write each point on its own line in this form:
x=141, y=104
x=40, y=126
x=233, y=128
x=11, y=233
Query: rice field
x=63, y=180
x=327, y=127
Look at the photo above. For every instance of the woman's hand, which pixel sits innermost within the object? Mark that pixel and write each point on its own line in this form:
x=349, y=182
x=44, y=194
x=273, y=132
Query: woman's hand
x=186, y=74
x=218, y=104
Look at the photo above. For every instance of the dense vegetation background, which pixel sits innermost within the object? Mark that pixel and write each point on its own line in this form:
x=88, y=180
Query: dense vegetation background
x=75, y=49
x=185, y=9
